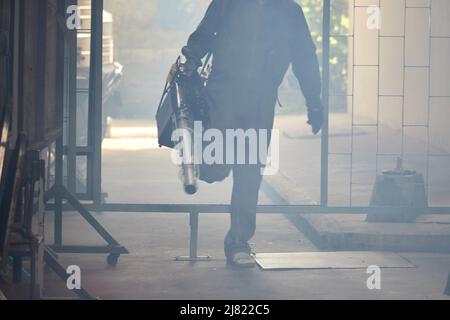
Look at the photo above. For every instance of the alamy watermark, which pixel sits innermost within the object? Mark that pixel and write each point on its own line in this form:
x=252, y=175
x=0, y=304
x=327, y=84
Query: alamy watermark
x=374, y=280
x=73, y=281
x=73, y=21
x=232, y=147
x=374, y=19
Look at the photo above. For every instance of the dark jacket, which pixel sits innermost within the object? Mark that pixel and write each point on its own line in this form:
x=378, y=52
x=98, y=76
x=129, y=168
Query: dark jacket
x=254, y=42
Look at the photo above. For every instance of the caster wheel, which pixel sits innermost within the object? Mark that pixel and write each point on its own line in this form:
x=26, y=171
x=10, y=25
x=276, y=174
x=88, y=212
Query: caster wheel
x=112, y=259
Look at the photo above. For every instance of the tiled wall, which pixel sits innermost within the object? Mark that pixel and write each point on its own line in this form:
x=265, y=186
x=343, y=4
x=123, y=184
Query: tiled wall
x=399, y=94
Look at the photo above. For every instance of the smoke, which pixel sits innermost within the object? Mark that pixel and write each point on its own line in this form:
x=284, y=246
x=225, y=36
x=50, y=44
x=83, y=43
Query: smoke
x=148, y=37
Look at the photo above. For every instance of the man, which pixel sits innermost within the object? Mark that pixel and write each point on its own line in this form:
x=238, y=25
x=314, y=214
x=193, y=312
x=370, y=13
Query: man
x=253, y=42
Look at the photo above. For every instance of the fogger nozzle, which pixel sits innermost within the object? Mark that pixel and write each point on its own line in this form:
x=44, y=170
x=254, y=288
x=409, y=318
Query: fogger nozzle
x=190, y=179
x=185, y=121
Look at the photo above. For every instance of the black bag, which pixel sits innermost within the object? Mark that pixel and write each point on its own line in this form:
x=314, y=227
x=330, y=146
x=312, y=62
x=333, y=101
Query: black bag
x=164, y=119
x=194, y=96
x=194, y=89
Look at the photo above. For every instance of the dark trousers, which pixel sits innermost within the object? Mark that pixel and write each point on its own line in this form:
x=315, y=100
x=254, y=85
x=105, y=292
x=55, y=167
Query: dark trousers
x=238, y=108
x=246, y=183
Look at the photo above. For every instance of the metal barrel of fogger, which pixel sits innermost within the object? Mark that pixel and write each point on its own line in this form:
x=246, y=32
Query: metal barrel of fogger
x=185, y=122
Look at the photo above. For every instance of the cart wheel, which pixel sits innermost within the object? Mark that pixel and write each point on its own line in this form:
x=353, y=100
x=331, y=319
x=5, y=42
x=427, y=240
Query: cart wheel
x=112, y=259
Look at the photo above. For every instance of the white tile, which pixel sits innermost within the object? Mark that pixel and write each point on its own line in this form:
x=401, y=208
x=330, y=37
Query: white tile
x=392, y=17
x=440, y=67
x=366, y=40
x=418, y=3
x=391, y=66
x=417, y=37
x=390, y=125
x=365, y=95
x=416, y=96
x=439, y=125
x=440, y=18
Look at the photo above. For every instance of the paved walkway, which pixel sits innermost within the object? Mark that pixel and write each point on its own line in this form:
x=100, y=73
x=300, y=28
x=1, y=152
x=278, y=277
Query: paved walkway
x=150, y=272
x=135, y=171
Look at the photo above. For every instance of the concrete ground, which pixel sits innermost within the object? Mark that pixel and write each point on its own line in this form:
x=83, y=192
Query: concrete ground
x=150, y=272
x=135, y=171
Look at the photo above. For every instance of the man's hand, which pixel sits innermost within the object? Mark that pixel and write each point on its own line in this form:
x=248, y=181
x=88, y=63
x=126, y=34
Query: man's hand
x=172, y=72
x=315, y=119
x=189, y=67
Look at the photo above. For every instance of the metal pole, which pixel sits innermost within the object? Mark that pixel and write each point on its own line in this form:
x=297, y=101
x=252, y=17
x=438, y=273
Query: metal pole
x=71, y=78
x=447, y=289
x=193, y=243
x=193, y=218
x=95, y=98
x=326, y=102
x=58, y=186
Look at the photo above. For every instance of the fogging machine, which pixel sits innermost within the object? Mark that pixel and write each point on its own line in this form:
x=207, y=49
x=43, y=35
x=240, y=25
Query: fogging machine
x=182, y=103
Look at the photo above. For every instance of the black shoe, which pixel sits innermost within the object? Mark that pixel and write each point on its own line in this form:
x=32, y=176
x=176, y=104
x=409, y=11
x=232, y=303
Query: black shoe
x=241, y=260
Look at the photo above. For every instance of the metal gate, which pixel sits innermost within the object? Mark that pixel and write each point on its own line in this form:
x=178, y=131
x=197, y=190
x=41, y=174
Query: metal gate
x=385, y=65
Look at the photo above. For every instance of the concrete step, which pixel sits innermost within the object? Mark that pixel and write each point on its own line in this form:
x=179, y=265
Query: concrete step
x=351, y=232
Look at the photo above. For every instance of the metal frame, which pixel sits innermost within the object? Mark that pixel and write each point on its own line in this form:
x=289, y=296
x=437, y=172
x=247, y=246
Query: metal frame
x=94, y=89
x=95, y=99
x=326, y=102
x=447, y=289
x=52, y=261
x=195, y=210
x=26, y=243
x=59, y=192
